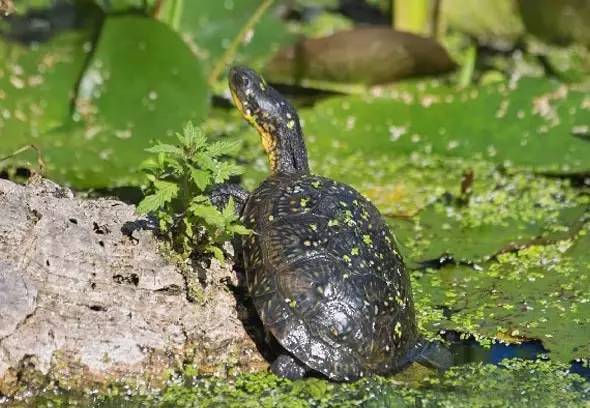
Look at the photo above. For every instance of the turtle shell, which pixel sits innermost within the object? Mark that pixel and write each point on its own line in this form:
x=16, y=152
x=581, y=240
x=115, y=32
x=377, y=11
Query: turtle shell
x=326, y=277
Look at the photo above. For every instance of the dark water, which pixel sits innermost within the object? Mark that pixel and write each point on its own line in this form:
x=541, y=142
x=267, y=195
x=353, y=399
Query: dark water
x=470, y=351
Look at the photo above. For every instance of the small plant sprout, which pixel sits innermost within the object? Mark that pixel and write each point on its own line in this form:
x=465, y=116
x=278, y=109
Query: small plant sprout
x=179, y=180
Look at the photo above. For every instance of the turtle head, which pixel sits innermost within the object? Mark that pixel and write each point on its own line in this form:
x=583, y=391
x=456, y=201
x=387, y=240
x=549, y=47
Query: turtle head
x=274, y=118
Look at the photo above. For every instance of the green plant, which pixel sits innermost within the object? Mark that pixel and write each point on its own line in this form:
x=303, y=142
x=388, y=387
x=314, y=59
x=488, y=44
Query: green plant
x=180, y=177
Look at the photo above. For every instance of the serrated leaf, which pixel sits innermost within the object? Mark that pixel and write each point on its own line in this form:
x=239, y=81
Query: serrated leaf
x=165, y=148
x=167, y=189
x=192, y=137
x=229, y=212
x=203, y=160
x=175, y=166
x=188, y=228
x=209, y=213
x=201, y=178
x=240, y=229
x=199, y=199
x=225, y=170
x=224, y=147
x=149, y=204
x=149, y=164
x=165, y=192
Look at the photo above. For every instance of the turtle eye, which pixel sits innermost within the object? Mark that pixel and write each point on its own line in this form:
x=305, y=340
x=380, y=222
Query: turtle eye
x=245, y=81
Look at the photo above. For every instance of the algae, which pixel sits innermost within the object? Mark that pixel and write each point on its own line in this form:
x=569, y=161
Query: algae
x=512, y=383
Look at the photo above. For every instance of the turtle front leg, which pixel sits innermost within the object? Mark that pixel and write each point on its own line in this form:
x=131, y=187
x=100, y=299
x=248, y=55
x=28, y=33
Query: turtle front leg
x=221, y=194
x=433, y=354
x=289, y=367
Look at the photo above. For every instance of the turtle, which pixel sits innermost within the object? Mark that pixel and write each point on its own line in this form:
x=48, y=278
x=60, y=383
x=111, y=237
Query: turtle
x=322, y=267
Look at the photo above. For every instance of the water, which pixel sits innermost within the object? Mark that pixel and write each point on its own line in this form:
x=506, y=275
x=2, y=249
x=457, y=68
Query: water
x=470, y=351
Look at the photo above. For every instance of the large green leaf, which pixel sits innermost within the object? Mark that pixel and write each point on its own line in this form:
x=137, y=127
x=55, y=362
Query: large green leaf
x=212, y=25
x=538, y=293
x=141, y=83
x=528, y=124
x=36, y=87
x=113, y=6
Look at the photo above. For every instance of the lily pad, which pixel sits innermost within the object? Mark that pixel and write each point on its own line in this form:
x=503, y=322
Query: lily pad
x=212, y=25
x=36, y=85
x=113, y=6
x=400, y=186
x=116, y=111
x=502, y=213
x=529, y=123
x=541, y=292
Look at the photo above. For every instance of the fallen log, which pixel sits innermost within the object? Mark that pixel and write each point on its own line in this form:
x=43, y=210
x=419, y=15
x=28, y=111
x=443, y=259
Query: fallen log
x=87, y=297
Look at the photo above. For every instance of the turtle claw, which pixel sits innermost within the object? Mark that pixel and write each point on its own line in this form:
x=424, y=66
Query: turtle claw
x=221, y=194
x=434, y=355
x=289, y=367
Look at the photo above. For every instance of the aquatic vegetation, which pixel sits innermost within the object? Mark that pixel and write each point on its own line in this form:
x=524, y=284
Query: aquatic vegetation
x=82, y=141
x=530, y=122
x=514, y=383
x=179, y=183
x=539, y=292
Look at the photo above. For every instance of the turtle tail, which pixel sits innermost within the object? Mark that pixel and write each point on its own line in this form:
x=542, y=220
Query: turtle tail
x=433, y=354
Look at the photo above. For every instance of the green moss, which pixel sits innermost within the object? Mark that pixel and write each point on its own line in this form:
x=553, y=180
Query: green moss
x=514, y=383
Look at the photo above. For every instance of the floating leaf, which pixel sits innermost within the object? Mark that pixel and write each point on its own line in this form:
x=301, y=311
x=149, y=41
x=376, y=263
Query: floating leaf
x=117, y=109
x=36, y=87
x=490, y=22
x=503, y=212
x=528, y=124
x=558, y=21
x=212, y=25
x=538, y=293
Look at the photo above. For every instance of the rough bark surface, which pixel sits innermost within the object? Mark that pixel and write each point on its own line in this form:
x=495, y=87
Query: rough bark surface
x=86, y=297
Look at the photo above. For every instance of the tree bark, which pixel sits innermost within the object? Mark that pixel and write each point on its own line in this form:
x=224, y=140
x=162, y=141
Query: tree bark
x=87, y=298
